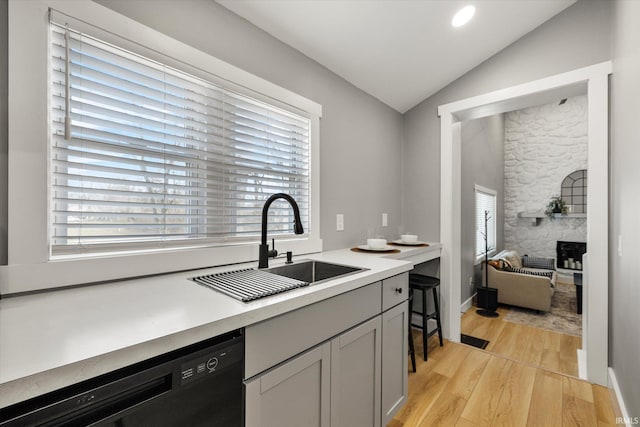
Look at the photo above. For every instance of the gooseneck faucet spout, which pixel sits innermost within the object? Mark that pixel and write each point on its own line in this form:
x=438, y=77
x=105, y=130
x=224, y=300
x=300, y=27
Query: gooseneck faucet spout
x=265, y=253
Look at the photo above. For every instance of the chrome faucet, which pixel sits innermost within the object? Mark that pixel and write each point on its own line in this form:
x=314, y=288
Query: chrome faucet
x=265, y=253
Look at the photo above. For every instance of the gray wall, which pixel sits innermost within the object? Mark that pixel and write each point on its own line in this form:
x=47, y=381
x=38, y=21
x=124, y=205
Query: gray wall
x=624, y=291
x=482, y=142
x=3, y=129
x=577, y=37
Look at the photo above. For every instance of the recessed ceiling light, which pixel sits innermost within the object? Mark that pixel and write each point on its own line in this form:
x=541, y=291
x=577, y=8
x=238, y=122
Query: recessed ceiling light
x=463, y=16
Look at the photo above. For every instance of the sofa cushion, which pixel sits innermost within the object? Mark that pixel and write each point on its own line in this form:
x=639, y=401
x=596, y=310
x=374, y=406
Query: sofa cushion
x=530, y=271
x=538, y=262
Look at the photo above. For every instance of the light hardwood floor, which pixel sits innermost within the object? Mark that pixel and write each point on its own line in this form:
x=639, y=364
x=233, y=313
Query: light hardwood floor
x=550, y=350
x=463, y=386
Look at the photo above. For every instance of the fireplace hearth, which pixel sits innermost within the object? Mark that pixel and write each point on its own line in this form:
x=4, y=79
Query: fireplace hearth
x=569, y=255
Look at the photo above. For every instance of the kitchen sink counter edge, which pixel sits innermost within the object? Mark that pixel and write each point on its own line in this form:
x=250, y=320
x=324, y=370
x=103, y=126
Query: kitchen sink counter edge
x=53, y=339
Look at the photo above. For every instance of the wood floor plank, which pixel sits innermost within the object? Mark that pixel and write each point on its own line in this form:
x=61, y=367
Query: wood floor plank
x=483, y=403
x=577, y=412
x=444, y=412
x=551, y=360
x=468, y=373
x=534, y=346
x=577, y=388
x=513, y=407
x=463, y=422
x=604, y=407
x=545, y=408
x=417, y=409
x=450, y=365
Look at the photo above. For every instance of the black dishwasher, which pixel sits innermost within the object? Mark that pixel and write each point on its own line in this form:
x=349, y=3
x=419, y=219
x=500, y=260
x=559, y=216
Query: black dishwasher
x=199, y=385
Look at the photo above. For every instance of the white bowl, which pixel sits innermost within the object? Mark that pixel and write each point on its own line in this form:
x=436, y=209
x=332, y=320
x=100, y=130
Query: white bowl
x=377, y=243
x=409, y=238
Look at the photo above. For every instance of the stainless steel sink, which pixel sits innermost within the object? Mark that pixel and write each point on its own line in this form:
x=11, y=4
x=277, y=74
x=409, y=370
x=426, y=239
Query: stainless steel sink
x=314, y=271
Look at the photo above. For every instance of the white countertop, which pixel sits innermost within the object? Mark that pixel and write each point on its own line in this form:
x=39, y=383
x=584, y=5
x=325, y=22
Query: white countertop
x=54, y=339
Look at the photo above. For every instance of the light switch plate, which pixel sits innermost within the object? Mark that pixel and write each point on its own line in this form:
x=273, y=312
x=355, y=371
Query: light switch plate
x=385, y=219
x=339, y=222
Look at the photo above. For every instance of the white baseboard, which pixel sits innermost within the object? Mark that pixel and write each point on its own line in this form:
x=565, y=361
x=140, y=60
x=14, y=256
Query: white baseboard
x=626, y=419
x=467, y=304
x=582, y=364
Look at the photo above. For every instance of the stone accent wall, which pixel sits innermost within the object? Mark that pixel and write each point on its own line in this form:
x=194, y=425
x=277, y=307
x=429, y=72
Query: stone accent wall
x=543, y=145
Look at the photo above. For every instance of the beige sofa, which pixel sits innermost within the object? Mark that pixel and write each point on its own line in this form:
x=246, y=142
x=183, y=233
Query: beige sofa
x=521, y=289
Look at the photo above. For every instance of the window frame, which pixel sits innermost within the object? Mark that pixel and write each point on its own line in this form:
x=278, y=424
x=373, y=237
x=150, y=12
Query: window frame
x=29, y=258
x=488, y=191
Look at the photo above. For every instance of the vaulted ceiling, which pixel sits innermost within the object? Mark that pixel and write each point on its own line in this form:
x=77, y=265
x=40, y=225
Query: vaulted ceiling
x=399, y=51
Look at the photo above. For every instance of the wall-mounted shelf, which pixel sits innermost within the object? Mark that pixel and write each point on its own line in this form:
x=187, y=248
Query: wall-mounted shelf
x=536, y=216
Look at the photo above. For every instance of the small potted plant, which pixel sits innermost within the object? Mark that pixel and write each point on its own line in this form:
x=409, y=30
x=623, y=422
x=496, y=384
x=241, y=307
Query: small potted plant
x=556, y=205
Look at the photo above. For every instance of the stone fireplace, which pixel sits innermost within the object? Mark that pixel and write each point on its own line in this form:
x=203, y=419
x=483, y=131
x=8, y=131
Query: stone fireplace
x=569, y=255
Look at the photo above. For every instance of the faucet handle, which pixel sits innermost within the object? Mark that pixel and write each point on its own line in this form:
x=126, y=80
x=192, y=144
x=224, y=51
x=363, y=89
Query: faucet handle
x=273, y=253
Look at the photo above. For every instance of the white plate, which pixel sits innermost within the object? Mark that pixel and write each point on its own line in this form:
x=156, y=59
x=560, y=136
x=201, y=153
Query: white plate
x=368, y=248
x=402, y=242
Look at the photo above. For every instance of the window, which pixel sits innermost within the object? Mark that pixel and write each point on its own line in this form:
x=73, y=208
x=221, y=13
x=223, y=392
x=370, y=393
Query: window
x=164, y=163
x=485, y=204
x=144, y=155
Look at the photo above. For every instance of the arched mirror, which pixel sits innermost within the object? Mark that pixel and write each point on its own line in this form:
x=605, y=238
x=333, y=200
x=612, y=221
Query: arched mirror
x=574, y=191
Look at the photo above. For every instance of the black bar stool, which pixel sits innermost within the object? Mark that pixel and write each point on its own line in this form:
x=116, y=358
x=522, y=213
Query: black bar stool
x=423, y=284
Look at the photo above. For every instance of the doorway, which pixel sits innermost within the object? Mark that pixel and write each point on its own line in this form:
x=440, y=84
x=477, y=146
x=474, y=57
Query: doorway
x=593, y=81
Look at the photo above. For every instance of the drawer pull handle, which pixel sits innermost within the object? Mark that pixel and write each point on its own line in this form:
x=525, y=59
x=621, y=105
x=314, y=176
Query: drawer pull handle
x=398, y=290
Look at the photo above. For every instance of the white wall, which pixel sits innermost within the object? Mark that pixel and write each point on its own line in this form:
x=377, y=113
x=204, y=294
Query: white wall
x=543, y=144
x=624, y=280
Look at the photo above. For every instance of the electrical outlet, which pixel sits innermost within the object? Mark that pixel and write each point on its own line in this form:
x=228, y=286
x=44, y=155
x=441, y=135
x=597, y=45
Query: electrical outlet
x=385, y=219
x=339, y=222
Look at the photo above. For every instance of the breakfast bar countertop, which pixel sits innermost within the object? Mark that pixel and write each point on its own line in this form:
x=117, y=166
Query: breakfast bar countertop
x=52, y=339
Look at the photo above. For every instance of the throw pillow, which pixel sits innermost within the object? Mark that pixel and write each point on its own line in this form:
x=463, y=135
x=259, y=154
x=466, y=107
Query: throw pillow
x=548, y=274
x=538, y=262
x=512, y=258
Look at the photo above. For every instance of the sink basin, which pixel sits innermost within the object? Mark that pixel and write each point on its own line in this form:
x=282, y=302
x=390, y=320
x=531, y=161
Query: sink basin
x=314, y=271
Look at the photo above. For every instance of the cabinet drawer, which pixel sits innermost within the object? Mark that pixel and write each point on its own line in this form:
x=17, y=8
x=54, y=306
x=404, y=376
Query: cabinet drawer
x=395, y=290
x=275, y=340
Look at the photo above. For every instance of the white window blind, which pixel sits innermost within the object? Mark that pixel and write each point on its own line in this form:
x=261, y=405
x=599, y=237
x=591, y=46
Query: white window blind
x=144, y=155
x=485, y=202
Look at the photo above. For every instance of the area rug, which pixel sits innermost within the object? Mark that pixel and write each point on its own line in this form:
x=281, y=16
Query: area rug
x=561, y=318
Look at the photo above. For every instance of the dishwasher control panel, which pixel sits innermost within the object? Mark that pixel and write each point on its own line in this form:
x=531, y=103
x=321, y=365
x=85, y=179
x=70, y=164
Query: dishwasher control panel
x=210, y=363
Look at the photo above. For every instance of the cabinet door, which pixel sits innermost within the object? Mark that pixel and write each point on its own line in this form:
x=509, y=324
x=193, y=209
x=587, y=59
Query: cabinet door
x=355, y=376
x=395, y=377
x=292, y=395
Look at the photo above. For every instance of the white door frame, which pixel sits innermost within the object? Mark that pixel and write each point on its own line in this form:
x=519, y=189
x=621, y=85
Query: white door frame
x=595, y=319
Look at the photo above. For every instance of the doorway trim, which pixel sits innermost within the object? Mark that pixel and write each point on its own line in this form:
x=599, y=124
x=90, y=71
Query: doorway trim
x=595, y=300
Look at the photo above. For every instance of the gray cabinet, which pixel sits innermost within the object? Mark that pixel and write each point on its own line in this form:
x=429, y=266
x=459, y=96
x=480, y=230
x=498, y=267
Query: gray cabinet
x=294, y=394
x=355, y=376
x=355, y=373
x=395, y=330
